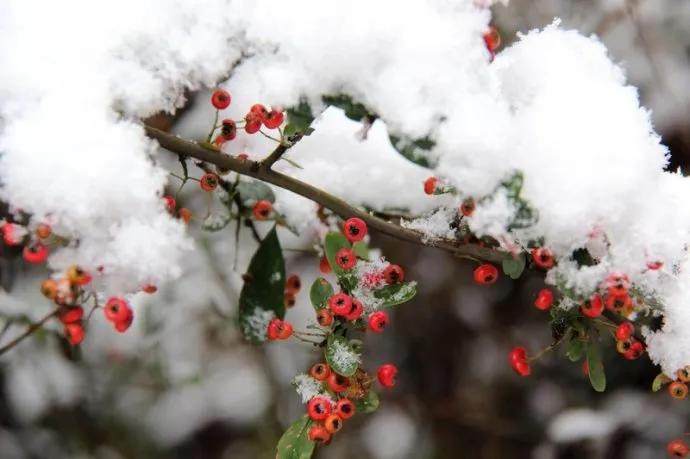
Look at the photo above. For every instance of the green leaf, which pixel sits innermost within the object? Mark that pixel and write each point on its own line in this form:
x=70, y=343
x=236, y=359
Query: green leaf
x=576, y=350
x=659, y=382
x=361, y=250
x=299, y=119
x=261, y=297
x=335, y=241
x=368, y=404
x=253, y=191
x=513, y=267
x=341, y=356
x=597, y=377
x=414, y=149
x=395, y=294
x=215, y=222
x=353, y=110
x=321, y=290
x=295, y=443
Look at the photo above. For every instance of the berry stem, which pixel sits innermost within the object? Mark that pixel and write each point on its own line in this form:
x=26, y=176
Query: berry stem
x=29, y=331
x=213, y=127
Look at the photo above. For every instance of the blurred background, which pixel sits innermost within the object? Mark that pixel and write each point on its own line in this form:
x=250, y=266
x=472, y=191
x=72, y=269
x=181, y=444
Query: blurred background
x=184, y=385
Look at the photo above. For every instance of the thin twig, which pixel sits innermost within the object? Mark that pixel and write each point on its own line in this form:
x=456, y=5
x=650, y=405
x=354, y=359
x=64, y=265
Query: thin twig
x=29, y=331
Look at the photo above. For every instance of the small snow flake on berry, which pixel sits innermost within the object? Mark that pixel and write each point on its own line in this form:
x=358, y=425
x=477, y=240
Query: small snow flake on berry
x=344, y=408
x=393, y=274
x=378, y=321
x=355, y=229
x=345, y=258
x=116, y=309
x=35, y=253
x=678, y=390
x=337, y=383
x=677, y=448
x=430, y=185
x=274, y=119
x=318, y=434
x=324, y=317
x=544, y=299
x=319, y=408
x=386, y=375
x=220, y=99
x=485, y=274
x=320, y=371
x=262, y=209
x=543, y=258
x=340, y=304
x=74, y=333
x=519, y=362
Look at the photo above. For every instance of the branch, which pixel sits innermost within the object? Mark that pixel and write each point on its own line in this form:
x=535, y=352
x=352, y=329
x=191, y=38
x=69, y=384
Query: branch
x=29, y=331
x=262, y=171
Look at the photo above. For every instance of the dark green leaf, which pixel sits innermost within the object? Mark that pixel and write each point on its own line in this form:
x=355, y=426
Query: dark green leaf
x=261, y=297
x=299, y=119
x=183, y=163
x=583, y=258
x=414, y=150
x=576, y=350
x=368, y=404
x=341, y=356
x=335, y=241
x=597, y=377
x=295, y=443
x=395, y=294
x=514, y=266
x=321, y=290
x=253, y=191
x=353, y=110
x=361, y=250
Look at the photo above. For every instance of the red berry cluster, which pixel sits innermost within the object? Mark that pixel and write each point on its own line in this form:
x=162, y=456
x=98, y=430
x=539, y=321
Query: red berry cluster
x=171, y=205
x=68, y=294
x=35, y=243
x=118, y=312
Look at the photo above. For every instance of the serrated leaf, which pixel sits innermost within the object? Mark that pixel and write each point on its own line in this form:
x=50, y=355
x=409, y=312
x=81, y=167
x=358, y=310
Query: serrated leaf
x=597, y=377
x=361, y=250
x=659, y=382
x=321, y=290
x=299, y=119
x=341, y=356
x=215, y=222
x=295, y=443
x=262, y=293
x=576, y=350
x=414, y=149
x=395, y=294
x=514, y=266
x=253, y=191
x=368, y=404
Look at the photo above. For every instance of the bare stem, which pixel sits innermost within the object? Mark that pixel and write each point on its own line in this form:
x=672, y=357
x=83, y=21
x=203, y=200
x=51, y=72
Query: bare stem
x=29, y=331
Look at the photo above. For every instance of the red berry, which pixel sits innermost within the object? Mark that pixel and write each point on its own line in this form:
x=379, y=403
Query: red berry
x=678, y=390
x=318, y=434
x=116, y=309
x=344, y=408
x=259, y=111
x=319, y=408
x=170, y=203
x=654, y=265
x=262, y=209
x=467, y=207
x=585, y=368
x=635, y=351
x=185, y=215
x=677, y=448
x=209, y=181
x=49, y=288
x=543, y=258
x=337, y=383
x=320, y=372
x=293, y=284
x=485, y=274
x=220, y=99
x=252, y=123
x=356, y=311
x=74, y=333
x=35, y=253
x=592, y=307
x=393, y=274
x=430, y=185
x=624, y=331
x=12, y=234
x=43, y=231
x=544, y=299
x=617, y=284
x=378, y=321
x=71, y=315
x=150, y=289
x=621, y=304
x=519, y=362
x=492, y=39
x=324, y=317
x=340, y=304
x=333, y=423
x=324, y=266
x=355, y=229
x=77, y=276
x=345, y=258
x=279, y=329
x=123, y=325
x=386, y=375
x=274, y=119
x=228, y=129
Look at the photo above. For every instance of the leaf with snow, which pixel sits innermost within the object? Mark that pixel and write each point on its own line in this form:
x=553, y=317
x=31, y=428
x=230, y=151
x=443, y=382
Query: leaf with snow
x=253, y=191
x=392, y=295
x=341, y=356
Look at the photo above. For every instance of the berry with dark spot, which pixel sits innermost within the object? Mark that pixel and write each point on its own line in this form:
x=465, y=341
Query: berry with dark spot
x=543, y=258
x=393, y=274
x=592, y=307
x=345, y=258
x=344, y=408
x=333, y=423
x=115, y=309
x=324, y=317
x=262, y=209
x=677, y=448
x=678, y=390
x=319, y=408
x=220, y=99
x=337, y=383
x=378, y=321
x=355, y=229
x=340, y=304
x=320, y=372
x=485, y=274
x=318, y=434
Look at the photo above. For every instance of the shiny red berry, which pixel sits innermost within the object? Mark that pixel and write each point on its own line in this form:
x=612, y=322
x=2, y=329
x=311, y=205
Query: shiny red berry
x=319, y=408
x=635, y=350
x=430, y=185
x=677, y=448
x=492, y=38
x=592, y=307
x=274, y=119
x=355, y=229
x=393, y=274
x=220, y=99
x=324, y=317
x=333, y=423
x=378, y=321
x=324, y=266
x=337, y=383
x=544, y=299
x=356, y=311
x=678, y=390
x=74, y=332
x=12, y=234
x=71, y=315
x=209, y=181
x=624, y=331
x=279, y=329
x=320, y=371
x=259, y=111
x=262, y=209
x=386, y=375
x=252, y=123
x=518, y=361
x=123, y=325
x=340, y=304
x=543, y=258
x=35, y=253
x=78, y=276
x=228, y=129
x=345, y=258
x=344, y=408
x=293, y=284
x=318, y=434
x=116, y=309
x=485, y=274
x=621, y=304
x=654, y=265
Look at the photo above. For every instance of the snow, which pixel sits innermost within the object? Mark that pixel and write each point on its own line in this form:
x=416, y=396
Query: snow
x=308, y=388
x=342, y=355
